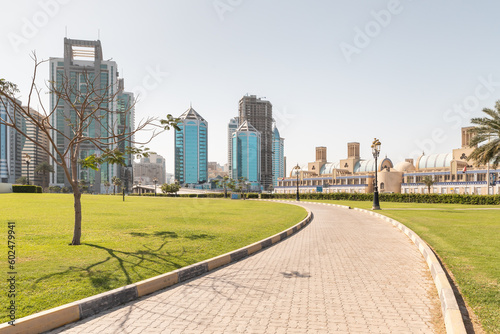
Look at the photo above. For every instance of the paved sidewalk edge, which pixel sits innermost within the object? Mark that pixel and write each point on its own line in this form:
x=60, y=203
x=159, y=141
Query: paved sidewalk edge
x=65, y=314
x=449, y=306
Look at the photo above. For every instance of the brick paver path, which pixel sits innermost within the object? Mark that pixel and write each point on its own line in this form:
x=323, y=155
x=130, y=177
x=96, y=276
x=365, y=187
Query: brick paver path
x=346, y=272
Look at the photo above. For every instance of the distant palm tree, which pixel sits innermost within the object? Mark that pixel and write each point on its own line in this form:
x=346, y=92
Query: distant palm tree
x=116, y=183
x=487, y=132
x=428, y=181
x=107, y=185
x=44, y=168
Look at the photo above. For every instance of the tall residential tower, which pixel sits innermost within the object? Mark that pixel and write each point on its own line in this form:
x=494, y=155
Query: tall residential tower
x=246, y=154
x=191, y=164
x=259, y=113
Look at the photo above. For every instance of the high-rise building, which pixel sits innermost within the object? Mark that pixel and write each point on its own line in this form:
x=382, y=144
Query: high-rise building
x=36, y=153
x=11, y=144
x=150, y=168
x=231, y=128
x=278, y=156
x=191, y=148
x=90, y=73
x=247, y=155
x=259, y=113
x=125, y=112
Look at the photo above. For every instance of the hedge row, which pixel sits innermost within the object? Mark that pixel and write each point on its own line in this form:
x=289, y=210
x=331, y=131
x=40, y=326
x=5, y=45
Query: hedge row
x=406, y=198
x=26, y=189
x=209, y=195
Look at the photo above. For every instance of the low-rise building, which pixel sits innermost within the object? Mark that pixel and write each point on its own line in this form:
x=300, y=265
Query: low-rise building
x=450, y=172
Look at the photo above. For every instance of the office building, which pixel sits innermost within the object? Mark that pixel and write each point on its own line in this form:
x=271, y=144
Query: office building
x=125, y=123
x=259, y=113
x=36, y=153
x=247, y=155
x=278, y=157
x=11, y=144
x=191, y=164
x=231, y=128
x=84, y=68
x=148, y=169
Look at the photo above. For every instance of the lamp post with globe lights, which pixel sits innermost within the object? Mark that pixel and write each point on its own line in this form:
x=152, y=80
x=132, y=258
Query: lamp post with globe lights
x=297, y=168
x=376, y=151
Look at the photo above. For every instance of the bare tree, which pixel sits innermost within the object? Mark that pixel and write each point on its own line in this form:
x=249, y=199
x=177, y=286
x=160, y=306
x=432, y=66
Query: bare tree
x=88, y=108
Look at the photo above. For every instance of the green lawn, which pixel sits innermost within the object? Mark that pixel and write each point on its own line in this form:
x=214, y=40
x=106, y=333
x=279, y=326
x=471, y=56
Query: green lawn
x=122, y=242
x=467, y=238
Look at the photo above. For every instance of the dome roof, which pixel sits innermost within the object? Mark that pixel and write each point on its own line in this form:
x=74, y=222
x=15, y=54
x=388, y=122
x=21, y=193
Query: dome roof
x=329, y=167
x=404, y=166
x=439, y=160
x=364, y=166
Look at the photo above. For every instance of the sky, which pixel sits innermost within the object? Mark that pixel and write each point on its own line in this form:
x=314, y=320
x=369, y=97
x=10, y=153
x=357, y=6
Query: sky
x=410, y=73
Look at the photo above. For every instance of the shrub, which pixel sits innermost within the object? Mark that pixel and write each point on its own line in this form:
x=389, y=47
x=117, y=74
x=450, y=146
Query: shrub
x=26, y=189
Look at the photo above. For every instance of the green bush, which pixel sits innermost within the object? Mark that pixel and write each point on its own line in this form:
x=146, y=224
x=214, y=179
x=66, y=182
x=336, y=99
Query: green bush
x=26, y=189
x=252, y=195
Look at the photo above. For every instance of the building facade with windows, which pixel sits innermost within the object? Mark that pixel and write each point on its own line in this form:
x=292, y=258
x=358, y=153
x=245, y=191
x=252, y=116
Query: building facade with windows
x=259, y=113
x=83, y=69
x=148, y=169
x=247, y=155
x=191, y=162
x=11, y=144
x=451, y=173
x=231, y=128
x=278, y=156
x=36, y=153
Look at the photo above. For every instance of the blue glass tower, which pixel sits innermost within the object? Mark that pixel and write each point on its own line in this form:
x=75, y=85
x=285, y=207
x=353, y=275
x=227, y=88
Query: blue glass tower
x=191, y=164
x=278, y=156
x=246, y=154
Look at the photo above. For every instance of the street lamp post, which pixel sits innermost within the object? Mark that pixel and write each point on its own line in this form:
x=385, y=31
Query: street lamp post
x=27, y=159
x=155, y=180
x=297, y=197
x=376, y=151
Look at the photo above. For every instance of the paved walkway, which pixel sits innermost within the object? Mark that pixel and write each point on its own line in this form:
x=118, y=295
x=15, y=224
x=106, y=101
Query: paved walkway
x=346, y=272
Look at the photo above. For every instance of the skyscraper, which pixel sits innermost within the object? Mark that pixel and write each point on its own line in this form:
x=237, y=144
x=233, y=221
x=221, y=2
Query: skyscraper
x=11, y=145
x=125, y=122
x=246, y=154
x=84, y=75
x=36, y=153
x=231, y=128
x=191, y=164
x=259, y=113
x=278, y=156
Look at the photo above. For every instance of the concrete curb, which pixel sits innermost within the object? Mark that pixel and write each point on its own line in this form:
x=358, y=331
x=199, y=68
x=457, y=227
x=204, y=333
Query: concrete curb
x=449, y=305
x=65, y=314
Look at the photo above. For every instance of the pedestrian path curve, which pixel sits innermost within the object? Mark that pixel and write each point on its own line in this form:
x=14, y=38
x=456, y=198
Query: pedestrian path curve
x=346, y=272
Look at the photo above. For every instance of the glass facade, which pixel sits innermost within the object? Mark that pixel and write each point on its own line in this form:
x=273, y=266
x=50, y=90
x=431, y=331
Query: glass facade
x=278, y=157
x=246, y=153
x=191, y=160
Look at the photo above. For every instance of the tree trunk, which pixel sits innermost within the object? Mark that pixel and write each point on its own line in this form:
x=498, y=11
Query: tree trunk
x=77, y=233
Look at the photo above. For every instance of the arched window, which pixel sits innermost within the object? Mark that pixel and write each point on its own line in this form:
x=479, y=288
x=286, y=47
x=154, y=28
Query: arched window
x=382, y=185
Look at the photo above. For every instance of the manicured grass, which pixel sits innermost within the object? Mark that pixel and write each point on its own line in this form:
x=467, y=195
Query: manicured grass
x=122, y=242
x=467, y=238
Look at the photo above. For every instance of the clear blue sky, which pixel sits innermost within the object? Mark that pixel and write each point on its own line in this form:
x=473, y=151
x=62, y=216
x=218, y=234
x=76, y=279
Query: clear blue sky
x=418, y=71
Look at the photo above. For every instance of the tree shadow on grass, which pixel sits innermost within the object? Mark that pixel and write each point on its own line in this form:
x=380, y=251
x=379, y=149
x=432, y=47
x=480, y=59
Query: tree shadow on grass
x=129, y=262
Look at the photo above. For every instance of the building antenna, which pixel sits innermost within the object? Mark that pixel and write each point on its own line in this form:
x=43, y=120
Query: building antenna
x=66, y=31
x=98, y=34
